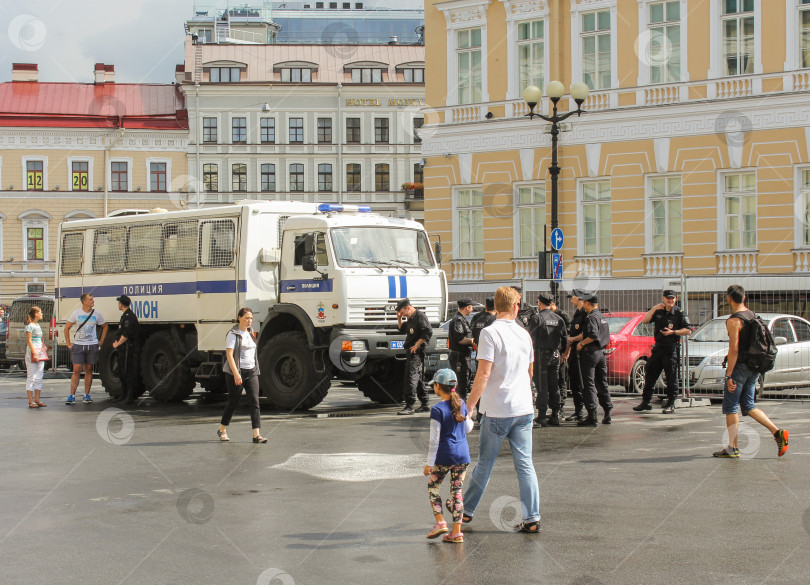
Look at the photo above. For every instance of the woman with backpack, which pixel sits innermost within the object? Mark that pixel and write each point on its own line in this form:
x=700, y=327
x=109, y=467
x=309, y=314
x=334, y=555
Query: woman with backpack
x=241, y=372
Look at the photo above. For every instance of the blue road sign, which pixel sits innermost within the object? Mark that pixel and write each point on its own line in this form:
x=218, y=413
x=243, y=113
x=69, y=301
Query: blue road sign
x=557, y=238
x=557, y=267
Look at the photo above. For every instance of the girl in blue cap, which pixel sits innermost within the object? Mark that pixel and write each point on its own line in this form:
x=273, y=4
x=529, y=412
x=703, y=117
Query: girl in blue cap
x=448, y=453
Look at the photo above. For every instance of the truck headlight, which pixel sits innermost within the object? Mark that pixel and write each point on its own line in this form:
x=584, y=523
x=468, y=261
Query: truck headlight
x=715, y=361
x=357, y=345
x=442, y=343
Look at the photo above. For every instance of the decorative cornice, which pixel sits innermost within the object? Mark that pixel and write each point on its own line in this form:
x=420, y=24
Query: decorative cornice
x=585, y=5
x=464, y=13
x=525, y=9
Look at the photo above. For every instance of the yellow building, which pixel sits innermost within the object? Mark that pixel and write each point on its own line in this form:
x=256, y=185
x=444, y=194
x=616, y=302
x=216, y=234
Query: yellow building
x=72, y=151
x=692, y=156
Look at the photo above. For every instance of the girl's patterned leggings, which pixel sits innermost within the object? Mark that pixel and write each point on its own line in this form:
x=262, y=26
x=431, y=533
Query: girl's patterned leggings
x=456, y=482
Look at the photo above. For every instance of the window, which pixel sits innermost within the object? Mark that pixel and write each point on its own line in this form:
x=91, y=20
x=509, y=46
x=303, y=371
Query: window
x=418, y=173
x=596, y=49
x=239, y=130
x=353, y=177
x=804, y=194
x=80, y=175
x=239, y=178
x=665, y=214
x=802, y=330
x=267, y=126
x=320, y=250
x=738, y=37
x=268, y=177
x=531, y=216
x=296, y=177
x=740, y=211
x=531, y=54
x=353, y=130
x=324, y=177
x=781, y=328
x=381, y=130
x=209, y=129
x=296, y=75
x=296, y=130
x=366, y=75
x=665, y=42
x=468, y=53
x=596, y=217
x=414, y=75
x=210, y=177
x=325, y=130
x=35, y=175
x=217, y=241
x=417, y=124
x=204, y=35
x=180, y=245
x=119, y=175
x=109, y=249
x=804, y=33
x=72, y=253
x=381, y=177
x=157, y=176
x=224, y=74
x=470, y=221
x=143, y=247
x=35, y=243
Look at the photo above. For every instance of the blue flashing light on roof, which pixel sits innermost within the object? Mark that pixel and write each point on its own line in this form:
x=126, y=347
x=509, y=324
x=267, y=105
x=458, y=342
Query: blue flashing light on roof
x=338, y=207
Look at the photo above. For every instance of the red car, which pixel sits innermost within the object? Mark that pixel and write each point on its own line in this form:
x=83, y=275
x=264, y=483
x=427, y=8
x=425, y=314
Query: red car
x=631, y=343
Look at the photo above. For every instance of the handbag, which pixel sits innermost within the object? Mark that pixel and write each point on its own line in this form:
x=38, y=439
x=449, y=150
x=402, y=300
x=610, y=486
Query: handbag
x=42, y=353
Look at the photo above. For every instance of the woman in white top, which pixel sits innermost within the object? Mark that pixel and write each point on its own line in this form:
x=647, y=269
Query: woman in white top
x=241, y=371
x=34, y=357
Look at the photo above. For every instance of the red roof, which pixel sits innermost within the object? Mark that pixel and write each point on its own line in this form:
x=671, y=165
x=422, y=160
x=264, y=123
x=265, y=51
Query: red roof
x=80, y=105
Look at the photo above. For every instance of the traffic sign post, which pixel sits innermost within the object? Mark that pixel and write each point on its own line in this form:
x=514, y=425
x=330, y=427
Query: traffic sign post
x=556, y=267
x=557, y=239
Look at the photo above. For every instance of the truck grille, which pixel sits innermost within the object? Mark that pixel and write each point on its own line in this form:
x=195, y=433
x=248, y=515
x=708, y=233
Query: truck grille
x=376, y=312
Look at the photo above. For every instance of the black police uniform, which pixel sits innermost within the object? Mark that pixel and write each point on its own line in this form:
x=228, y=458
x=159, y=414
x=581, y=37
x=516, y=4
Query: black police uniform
x=664, y=355
x=415, y=328
x=574, y=371
x=460, y=354
x=525, y=315
x=594, y=365
x=129, y=356
x=550, y=337
x=562, y=376
x=479, y=322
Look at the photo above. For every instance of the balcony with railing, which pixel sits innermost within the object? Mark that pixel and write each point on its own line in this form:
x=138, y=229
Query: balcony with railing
x=472, y=269
x=669, y=264
x=524, y=268
x=592, y=266
x=737, y=262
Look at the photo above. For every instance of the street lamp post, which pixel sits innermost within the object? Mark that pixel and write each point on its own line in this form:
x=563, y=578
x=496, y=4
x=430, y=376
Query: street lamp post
x=555, y=90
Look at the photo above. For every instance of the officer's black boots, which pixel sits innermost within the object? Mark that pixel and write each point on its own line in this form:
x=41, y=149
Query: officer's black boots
x=554, y=421
x=424, y=407
x=607, y=420
x=643, y=406
x=540, y=422
x=577, y=416
x=669, y=407
x=589, y=421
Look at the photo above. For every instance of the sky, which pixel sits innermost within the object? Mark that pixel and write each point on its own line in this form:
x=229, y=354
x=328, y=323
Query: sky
x=66, y=38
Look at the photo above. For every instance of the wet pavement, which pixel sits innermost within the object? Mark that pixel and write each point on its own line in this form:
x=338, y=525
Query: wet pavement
x=93, y=494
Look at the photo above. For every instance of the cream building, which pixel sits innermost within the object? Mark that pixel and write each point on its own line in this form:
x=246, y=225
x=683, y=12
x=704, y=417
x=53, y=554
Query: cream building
x=692, y=157
x=74, y=150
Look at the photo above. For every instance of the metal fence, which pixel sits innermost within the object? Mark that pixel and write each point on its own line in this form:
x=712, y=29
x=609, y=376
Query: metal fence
x=781, y=300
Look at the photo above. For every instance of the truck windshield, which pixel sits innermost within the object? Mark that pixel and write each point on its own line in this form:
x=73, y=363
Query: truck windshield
x=380, y=247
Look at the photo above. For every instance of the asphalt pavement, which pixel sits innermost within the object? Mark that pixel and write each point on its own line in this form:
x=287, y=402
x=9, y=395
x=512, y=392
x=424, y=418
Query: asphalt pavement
x=96, y=494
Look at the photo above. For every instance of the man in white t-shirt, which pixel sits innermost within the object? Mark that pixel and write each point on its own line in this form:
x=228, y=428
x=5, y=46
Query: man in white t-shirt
x=503, y=385
x=84, y=348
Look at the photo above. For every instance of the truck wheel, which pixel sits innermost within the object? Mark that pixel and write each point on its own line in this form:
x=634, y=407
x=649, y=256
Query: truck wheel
x=164, y=370
x=108, y=368
x=635, y=382
x=288, y=376
x=385, y=385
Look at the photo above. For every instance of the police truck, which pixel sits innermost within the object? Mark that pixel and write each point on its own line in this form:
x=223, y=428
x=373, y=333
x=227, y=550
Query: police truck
x=322, y=280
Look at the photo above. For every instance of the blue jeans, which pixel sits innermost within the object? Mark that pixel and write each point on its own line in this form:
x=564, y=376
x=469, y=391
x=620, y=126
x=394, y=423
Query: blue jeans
x=743, y=395
x=518, y=430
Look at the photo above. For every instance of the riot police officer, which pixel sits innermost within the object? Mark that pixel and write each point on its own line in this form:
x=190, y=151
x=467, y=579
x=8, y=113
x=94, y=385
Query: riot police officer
x=669, y=322
x=574, y=371
x=593, y=364
x=129, y=356
x=483, y=319
x=562, y=373
x=461, y=343
x=550, y=338
x=525, y=313
x=418, y=331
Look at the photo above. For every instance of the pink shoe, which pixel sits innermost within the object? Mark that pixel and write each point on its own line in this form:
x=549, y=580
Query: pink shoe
x=457, y=538
x=438, y=528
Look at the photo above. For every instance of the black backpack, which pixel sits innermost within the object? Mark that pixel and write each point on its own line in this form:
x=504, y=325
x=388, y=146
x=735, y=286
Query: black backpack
x=757, y=347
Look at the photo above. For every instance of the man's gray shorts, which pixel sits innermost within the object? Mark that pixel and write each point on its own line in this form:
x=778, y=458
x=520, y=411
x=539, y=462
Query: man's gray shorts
x=84, y=354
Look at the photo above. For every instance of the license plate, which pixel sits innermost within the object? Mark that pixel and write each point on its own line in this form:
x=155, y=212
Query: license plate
x=396, y=345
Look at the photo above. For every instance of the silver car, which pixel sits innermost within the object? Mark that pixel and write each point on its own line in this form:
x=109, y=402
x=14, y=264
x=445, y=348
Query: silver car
x=708, y=346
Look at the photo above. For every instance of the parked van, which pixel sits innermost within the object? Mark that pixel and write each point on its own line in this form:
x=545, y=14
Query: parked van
x=15, y=336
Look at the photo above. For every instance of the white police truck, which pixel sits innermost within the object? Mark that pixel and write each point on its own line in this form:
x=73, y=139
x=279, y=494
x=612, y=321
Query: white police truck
x=322, y=280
